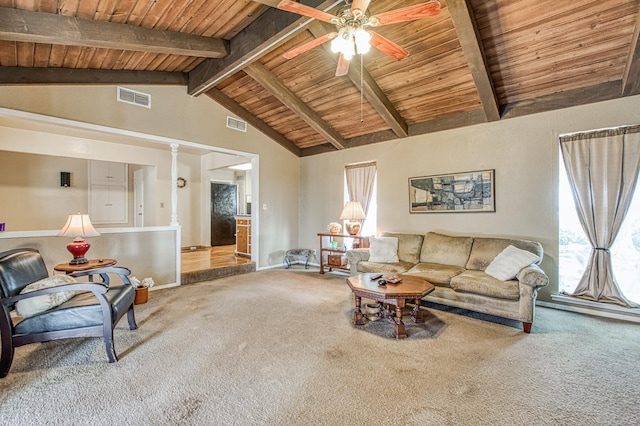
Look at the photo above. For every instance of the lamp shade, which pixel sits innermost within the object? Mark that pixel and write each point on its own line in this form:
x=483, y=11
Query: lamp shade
x=353, y=211
x=78, y=225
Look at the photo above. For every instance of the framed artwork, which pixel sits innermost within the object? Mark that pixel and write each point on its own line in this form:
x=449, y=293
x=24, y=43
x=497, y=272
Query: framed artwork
x=464, y=192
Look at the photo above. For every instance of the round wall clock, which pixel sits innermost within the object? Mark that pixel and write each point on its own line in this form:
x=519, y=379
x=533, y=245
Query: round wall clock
x=181, y=182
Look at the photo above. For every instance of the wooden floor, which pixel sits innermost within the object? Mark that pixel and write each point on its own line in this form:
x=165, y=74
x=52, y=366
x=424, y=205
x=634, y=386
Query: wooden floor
x=210, y=258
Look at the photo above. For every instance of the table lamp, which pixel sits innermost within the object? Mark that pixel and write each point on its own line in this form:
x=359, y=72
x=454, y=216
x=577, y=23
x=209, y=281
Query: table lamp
x=352, y=213
x=78, y=226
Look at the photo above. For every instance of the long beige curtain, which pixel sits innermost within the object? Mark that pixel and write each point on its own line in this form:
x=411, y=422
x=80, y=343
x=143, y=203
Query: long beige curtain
x=360, y=178
x=602, y=167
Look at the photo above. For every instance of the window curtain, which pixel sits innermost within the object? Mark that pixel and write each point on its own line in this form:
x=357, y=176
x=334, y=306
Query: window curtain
x=602, y=167
x=360, y=178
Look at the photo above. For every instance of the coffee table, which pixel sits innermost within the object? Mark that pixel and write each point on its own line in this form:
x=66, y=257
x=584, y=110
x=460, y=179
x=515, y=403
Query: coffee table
x=411, y=288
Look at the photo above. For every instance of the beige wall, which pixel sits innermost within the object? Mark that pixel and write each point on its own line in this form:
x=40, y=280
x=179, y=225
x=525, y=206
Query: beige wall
x=523, y=151
x=176, y=115
x=32, y=198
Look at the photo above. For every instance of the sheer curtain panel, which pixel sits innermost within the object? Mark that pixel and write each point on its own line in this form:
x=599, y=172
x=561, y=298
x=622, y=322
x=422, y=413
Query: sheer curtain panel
x=360, y=178
x=602, y=167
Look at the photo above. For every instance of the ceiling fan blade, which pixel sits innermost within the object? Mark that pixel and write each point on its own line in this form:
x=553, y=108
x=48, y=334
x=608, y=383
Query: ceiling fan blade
x=343, y=66
x=309, y=45
x=405, y=14
x=388, y=47
x=301, y=9
x=360, y=5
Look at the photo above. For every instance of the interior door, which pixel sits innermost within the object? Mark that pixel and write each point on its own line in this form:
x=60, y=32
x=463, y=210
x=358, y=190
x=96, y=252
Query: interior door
x=224, y=206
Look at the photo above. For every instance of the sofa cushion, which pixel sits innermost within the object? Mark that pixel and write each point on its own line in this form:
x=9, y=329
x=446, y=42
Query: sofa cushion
x=509, y=262
x=484, y=250
x=435, y=273
x=383, y=249
x=446, y=250
x=29, y=307
x=394, y=268
x=409, y=246
x=478, y=282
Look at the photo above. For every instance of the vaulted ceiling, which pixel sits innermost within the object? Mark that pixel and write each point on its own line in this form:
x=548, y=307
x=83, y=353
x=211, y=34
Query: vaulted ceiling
x=476, y=61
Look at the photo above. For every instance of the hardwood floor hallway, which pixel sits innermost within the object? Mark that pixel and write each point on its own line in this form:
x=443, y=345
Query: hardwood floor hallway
x=208, y=263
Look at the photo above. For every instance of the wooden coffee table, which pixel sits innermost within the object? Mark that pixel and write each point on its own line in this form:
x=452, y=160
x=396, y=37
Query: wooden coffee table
x=411, y=288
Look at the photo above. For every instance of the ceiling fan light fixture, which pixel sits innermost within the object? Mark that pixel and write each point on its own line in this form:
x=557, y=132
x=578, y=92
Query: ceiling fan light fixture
x=362, y=40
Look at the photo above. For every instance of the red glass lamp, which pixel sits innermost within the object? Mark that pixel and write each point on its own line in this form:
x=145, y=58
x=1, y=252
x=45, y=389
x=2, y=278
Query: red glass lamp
x=78, y=226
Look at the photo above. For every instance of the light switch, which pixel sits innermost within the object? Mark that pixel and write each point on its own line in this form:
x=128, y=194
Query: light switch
x=264, y=206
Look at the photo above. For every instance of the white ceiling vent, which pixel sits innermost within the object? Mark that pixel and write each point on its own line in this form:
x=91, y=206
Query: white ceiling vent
x=134, y=97
x=236, y=124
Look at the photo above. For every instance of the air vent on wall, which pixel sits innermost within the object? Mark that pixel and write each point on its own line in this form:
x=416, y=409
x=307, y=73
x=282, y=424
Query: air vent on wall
x=234, y=123
x=134, y=97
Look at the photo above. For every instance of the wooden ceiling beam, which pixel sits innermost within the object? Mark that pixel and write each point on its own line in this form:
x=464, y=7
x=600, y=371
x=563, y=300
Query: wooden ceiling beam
x=631, y=77
x=570, y=98
x=264, y=34
x=240, y=111
x=469, y=36
x=14, y=76
x=38, y=27
x=371, y=91
x=270, y=82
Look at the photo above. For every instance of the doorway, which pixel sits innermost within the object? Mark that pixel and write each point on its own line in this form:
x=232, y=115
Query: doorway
x=224, y=207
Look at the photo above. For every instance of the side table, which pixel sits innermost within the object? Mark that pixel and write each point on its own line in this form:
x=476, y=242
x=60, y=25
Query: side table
x=91, y=264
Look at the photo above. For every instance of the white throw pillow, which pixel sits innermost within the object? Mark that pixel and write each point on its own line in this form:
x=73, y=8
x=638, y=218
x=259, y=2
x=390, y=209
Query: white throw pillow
x=383, y=249
x=29, y=307
x=509, y=262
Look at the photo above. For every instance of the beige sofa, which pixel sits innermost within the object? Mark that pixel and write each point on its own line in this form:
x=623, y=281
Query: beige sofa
x=456, y=267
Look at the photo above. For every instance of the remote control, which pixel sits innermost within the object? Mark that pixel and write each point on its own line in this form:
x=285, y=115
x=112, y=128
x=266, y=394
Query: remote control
x=375, y=277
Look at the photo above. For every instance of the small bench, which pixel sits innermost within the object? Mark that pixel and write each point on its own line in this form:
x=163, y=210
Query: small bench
x=295, y=254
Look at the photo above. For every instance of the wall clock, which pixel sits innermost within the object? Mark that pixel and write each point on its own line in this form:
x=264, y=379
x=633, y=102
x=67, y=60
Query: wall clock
x=181, y=182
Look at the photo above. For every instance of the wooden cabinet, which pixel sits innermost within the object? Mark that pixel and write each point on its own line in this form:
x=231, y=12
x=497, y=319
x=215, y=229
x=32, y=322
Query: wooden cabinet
x=243, y=237
x=108, y=192
x=332, y=256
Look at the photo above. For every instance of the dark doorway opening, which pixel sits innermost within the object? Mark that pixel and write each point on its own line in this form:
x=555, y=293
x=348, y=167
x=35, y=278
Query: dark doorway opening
x=224, y=206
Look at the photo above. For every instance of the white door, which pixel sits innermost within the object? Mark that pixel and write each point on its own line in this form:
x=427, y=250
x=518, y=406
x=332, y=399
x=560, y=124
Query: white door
x=138, y=197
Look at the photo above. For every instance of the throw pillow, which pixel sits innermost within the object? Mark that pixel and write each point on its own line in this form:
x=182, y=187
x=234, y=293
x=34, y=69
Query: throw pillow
x=29, y=307
x=506, y=265
x=383, y=249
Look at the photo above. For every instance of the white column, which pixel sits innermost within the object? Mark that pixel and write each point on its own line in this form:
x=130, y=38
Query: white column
x=174, y=184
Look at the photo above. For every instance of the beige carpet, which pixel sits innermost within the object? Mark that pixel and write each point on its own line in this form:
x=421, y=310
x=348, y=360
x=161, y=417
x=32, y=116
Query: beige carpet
x=278, y=348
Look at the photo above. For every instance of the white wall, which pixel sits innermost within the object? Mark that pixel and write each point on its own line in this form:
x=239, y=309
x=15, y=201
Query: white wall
x=523, y=151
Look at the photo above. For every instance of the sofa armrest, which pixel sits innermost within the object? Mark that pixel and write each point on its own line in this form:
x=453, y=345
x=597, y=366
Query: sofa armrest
x=355, y=256
x=533, y=276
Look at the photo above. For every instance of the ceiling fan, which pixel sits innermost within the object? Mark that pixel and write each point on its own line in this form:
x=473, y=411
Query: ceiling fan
x=352, y=36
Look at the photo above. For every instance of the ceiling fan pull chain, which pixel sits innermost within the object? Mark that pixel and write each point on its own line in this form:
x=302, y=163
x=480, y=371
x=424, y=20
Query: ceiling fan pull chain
x=361, y=88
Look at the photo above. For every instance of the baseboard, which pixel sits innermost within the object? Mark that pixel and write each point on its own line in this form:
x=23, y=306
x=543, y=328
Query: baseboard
x=592, y=308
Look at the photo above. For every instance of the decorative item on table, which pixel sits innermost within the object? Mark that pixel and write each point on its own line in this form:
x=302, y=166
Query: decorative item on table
x=394, y=279
x=333, y=244
x=142, y=289
x=353, y=213
x=373, y=311
x=78, y=226
x=334, y=228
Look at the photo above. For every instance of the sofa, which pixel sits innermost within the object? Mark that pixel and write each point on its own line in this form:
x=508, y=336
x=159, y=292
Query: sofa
x=496, y=276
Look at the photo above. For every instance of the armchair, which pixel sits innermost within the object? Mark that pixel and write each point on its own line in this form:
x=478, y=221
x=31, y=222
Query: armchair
x=93, y=309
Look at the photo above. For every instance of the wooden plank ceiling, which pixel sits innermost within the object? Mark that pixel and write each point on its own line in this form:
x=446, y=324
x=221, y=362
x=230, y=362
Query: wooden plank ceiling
x=476, y=61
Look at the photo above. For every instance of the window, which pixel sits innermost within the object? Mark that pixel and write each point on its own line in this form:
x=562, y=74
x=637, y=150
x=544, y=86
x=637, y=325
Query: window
x=574, y=249
x=361, y=184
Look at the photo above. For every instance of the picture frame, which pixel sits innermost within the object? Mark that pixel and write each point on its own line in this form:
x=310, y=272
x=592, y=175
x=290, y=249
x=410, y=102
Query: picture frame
x=463, y=192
